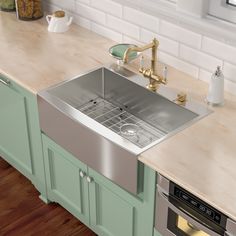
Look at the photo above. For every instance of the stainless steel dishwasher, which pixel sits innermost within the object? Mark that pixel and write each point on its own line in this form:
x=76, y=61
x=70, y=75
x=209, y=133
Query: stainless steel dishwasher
x=180, y=213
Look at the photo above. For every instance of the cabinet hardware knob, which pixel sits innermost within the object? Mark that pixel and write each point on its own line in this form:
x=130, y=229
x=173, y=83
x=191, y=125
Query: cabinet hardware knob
x=7, y=82
x=89, y=179
x=82, y=174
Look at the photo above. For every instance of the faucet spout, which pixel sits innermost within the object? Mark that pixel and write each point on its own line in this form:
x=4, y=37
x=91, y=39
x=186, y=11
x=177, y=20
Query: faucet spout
x=153, y=45
x=150, y=73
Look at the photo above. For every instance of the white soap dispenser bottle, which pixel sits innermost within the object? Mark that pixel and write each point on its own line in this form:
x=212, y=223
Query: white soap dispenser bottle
x=215, y=95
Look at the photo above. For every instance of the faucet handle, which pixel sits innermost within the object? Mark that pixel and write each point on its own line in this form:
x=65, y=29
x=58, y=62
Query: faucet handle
x=164, y=73
x=141, y=62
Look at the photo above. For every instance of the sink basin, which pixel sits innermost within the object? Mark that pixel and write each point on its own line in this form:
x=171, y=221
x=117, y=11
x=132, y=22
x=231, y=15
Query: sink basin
x=106, y=120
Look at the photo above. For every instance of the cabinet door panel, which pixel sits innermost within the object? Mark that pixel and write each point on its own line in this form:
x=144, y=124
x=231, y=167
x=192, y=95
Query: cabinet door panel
x=110, y=214
x=14, y=135
x=64, y=183
x=116, y=212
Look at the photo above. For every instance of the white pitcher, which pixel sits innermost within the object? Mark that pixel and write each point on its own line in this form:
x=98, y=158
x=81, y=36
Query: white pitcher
x=58, y=22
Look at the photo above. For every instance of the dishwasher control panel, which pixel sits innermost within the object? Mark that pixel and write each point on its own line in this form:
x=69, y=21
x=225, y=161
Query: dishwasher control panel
x=198, y=205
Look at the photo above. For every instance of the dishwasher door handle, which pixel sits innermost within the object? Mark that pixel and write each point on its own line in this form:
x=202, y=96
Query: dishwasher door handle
x=187, y=216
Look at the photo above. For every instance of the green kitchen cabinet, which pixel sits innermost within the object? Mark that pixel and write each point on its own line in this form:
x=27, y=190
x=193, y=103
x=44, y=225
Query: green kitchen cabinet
x=102, y=205
x=114, y=211
x=20, y=137
x=66, y=180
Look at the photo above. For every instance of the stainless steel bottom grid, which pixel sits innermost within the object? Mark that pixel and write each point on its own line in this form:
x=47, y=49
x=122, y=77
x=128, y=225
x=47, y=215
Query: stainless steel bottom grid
x=113, y=117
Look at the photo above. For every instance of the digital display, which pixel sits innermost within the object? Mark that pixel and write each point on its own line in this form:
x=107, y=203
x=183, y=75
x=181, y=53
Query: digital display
x=198, y=205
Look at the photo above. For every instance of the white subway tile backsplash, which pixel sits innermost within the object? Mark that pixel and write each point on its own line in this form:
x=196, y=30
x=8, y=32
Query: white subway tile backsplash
x=141, y=19
x=229, y=71
x=218, y=49
x=123, y=26
x=82, y=22
x=50, y=7
x=108, y=6
x=178, y=64
x=205, y=75
x=190, y=52
x=199, y=59
x=90, y=13
x=180, y=34
x=127, y=39
x=146, y=36
x=166, y=44
x=83, y=1
x=68, y=5
x=106, y=32
x=230, y=86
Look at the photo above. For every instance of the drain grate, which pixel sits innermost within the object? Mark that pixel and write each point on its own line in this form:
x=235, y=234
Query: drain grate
x=113, y=117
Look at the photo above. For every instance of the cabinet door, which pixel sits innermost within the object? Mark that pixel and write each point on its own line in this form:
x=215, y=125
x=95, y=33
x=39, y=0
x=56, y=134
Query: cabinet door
x=64, y=183
x=14, y=133
x=115, y=212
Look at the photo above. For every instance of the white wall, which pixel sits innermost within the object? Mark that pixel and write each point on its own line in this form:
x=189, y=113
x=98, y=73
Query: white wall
x=193, y=53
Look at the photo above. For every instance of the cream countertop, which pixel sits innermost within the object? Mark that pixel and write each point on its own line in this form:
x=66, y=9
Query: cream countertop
x=37, y=59
x=202, y=158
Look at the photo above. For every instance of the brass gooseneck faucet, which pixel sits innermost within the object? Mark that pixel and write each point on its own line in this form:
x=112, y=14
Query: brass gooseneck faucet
x=150, y=73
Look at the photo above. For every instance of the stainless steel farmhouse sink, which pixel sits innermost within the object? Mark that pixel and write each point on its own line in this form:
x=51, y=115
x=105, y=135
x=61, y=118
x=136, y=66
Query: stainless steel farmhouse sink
x=106, y=120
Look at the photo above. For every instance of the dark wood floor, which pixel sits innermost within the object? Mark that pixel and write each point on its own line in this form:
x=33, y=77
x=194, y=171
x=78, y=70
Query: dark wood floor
x=23, y=213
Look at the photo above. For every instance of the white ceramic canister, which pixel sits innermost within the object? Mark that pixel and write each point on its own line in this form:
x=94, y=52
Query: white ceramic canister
x=216, y=89
x=58, y=22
